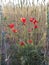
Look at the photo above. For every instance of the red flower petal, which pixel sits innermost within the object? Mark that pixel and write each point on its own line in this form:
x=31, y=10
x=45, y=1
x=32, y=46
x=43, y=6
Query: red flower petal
x=35, y=26
x=35, y=21
x=23, y=20
x=11, y=25
x=14, y=30
x=30, y=41
x=31, y=19
x=22, y=43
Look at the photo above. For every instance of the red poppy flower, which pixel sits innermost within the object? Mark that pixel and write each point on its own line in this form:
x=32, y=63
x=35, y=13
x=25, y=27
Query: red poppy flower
x=23, y=20
x=35, y=26
x=14, y=30
x=11, y=25
x=31, y=19
x=22, y=43
x=35, y=21
x=30, y=41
